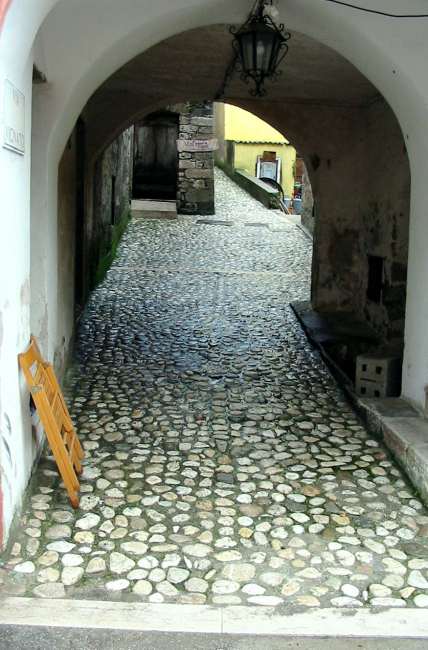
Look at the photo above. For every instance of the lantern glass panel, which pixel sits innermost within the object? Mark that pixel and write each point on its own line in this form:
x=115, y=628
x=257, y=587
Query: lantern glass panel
x=276, y=49
x=265, y=43
x=246, y=44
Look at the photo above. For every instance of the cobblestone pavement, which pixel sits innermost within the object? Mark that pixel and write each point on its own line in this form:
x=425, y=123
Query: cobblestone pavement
x=223, y=463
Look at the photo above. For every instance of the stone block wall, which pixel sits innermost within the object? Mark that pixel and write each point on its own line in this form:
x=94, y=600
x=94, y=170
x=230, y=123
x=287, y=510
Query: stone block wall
x=385, y=222
x=112, y=196
x=87, y=242
x=372, y=176
x=67, y=247
x=114, y=167
x=195, y=194
x=308, y=212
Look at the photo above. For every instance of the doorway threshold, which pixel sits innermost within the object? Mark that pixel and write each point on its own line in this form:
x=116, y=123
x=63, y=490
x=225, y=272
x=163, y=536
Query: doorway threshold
x=152, y=209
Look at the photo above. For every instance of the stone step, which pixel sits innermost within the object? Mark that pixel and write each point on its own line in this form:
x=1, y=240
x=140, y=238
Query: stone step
x=47, y=623
x=149, y=209
x=47, y=638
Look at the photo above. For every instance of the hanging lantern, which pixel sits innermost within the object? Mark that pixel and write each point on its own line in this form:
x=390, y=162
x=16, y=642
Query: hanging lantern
x=260, y=45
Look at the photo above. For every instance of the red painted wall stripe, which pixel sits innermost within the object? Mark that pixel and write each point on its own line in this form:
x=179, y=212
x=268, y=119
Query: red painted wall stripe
x=4, y=6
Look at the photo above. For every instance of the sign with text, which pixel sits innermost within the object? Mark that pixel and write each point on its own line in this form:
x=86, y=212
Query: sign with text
x=194, y=146
x=14, y=119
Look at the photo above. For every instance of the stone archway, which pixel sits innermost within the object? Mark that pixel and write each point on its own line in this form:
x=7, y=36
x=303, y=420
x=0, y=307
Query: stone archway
x=389, y=53
x=348, y=135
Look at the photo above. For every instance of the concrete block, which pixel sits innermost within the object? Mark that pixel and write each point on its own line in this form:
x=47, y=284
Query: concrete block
x=198, y=195
x=377, y=376
x=407, y=438
x=390, y=407
x=199, y=183
x=370, y=388
x=417, y=468
x=401, y=433
x=199, y=173
x=186, y=164
x=188, y=128
x=202, y=121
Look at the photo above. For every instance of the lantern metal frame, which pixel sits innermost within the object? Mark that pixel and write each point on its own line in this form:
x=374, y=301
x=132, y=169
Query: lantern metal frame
x=260, y=25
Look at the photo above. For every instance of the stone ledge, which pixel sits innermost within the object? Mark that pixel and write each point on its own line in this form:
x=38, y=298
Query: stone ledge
x=345, y=623
x=149, y=209
x=403, y=431
x=259, y=190
x=400, y=426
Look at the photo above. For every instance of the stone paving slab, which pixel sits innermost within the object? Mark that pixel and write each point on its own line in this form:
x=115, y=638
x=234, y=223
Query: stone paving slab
x=37, y=638
x=224, y=466
x=229, y=620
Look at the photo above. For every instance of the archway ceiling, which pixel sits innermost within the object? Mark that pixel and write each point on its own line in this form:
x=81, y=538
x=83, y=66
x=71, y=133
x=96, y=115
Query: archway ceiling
x=192, y=65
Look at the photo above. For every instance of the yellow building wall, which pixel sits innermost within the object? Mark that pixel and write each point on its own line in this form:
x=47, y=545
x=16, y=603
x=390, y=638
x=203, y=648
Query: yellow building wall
x=246, y=158
x=253, y=136
x=244, y=126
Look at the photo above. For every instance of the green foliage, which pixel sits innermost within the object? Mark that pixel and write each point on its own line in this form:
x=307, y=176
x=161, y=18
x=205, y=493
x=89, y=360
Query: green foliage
x=275, y=203
x=108, y=249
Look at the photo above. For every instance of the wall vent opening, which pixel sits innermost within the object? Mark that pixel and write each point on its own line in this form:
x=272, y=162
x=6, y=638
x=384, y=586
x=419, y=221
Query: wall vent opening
x=375, y=278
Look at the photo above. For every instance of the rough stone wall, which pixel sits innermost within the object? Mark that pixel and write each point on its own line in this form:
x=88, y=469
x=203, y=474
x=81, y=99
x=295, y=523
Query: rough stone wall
x=99, y=230
x=307, y=215
x=66, y=248
x=372, y=219
x=220, y=155
x=111, y=196
x=385, y=221
x=115, y=162
x=195, y=193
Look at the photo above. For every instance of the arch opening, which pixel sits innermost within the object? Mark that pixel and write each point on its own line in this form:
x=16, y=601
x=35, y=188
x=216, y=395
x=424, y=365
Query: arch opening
x=362, y=188
x=355, y=157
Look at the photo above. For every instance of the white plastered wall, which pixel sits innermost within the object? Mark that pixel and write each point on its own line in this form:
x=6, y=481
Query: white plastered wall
x=79, y=44
x=17, y=450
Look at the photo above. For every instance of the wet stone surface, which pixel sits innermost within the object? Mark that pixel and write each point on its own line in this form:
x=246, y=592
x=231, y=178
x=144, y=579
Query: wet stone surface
x=223, y=464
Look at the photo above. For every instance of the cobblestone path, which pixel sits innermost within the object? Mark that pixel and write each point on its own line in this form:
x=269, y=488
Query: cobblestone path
x=223, y=464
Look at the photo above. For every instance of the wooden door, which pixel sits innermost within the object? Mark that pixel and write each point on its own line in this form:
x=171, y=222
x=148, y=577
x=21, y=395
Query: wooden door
x=156, y=158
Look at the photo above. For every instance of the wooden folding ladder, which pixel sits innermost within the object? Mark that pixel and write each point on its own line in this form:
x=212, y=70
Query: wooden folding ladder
x=55, y=418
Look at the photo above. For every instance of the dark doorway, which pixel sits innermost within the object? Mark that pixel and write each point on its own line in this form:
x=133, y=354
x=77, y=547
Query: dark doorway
x=155, y=157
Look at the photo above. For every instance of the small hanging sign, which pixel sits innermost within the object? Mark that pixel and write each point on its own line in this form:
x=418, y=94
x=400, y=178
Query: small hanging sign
x=14, y=119
x=197, y=145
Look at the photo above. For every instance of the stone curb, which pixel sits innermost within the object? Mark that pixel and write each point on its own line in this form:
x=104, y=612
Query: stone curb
x=92, y=614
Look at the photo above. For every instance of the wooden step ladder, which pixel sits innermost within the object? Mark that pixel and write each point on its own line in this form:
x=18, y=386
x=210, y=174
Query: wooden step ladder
x=55, y=418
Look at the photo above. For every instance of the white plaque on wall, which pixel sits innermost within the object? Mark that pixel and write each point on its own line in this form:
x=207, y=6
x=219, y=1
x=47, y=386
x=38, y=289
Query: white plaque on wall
x=197, y=145
x=14, y=119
